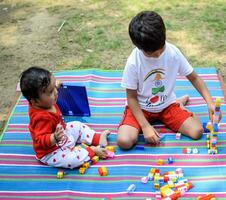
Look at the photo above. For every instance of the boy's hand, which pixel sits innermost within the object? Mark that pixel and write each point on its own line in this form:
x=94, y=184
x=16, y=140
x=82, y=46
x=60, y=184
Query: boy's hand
x=101, y=152
x=151, y=135
x=211, y=109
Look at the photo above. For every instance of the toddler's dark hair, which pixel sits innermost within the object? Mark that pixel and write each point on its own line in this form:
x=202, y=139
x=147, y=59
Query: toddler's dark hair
x=147, y=31
x=34, y=81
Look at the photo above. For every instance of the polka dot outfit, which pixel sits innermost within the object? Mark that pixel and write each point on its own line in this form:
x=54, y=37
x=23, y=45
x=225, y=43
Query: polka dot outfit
x=70, y=154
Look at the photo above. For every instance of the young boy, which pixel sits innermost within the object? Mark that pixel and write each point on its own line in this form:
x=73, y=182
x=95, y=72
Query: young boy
x=56, y=143
x=149, y=78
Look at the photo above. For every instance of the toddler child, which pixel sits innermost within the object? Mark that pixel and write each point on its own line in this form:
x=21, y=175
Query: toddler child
x=56, y=143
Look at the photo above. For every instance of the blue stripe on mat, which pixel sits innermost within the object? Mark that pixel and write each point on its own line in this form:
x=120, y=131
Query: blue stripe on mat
x=19, y=171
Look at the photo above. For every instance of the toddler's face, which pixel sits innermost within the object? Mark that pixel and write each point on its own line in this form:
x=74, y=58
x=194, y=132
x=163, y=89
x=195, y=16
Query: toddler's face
x=154, y=54
x=49, y=97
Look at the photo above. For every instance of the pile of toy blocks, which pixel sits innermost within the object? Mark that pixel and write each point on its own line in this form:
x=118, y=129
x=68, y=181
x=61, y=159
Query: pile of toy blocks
x=211, y=128
x=110, y=154
x=172, y=184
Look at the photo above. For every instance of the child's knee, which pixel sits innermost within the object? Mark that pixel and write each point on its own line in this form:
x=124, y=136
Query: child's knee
x=125, y=143
x=196, y=132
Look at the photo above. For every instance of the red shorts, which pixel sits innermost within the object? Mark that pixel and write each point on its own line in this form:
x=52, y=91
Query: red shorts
x=173, y=117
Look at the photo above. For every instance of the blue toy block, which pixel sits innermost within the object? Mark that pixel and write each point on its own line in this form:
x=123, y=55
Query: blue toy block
x=215, y=127
x=170, y=160
x=73, y=101
x=139, y=147
x=204, y=127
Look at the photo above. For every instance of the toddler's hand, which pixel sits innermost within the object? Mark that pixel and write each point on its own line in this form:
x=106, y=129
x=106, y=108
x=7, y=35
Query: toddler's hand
x=101, y=152
x=58, y=84
x=151, y=135
x=59, y=133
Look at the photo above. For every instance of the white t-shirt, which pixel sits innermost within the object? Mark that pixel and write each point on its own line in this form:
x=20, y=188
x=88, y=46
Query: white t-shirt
x=154, y=78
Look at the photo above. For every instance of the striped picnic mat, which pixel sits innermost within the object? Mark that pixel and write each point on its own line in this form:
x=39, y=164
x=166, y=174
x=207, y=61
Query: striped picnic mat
x=23, y=177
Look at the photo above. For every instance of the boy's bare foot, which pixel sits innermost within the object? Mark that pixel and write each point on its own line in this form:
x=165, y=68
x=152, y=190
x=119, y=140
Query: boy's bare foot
x=103, y=138
x=183, y=101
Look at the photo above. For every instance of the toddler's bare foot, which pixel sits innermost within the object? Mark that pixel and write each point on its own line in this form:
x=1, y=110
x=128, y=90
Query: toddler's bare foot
x=102, y=153
x=183, y=101
x=103, y=138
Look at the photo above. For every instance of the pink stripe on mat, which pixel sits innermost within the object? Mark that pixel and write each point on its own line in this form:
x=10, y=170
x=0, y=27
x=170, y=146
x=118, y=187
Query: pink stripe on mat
x=54, y=194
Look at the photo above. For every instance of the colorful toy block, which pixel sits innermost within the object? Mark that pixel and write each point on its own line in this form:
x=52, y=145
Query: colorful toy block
x=102, y=171
x=82, y=170
x=206, y=197
x=60, y=174
x=131, y=189
x=86, y=165
x=95, y=159
x=144, y=179
x=160, y=162
x=171, y=184
x=170, y=160
x=110, y=154
x=139, y=147
x=110, y=148
x=211, y=128
x=178, y=136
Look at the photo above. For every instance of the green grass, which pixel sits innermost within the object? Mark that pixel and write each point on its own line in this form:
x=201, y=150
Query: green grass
x=95, y=33
x=196, y=27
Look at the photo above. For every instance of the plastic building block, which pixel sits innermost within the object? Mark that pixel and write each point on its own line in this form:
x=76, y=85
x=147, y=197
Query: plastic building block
x=162, y=136
x=86, y=165
x=206, y=197
x=144, y=179
x=102, y=171
x=187, y=150
x=110, y=148
x=131, y=189
x=190, y=151
x=166, y=191
x=95, y=159
x=178, y=136
x=215, y=128
x=158, y=197
x=82, y=170
x=160, y=162
x=170, y=160
x=209, y=126
x=110, y=154
x=218, y=102
x=60, y=174
x=139, y=147
x=195, y=151
x=156, y=185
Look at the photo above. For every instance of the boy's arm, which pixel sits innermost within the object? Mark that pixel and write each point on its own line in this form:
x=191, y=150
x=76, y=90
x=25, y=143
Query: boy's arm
x=149, y=132
x=200, y=86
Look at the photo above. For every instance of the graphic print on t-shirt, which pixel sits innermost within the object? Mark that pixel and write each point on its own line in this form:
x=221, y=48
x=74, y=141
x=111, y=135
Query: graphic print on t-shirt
x=156, y=81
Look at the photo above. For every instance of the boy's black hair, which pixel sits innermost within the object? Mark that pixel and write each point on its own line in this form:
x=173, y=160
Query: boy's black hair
x=147, y=31
x=33, y=81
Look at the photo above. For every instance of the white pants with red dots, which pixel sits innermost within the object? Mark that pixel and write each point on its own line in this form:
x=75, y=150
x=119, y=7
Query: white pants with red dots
x=68, y=155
